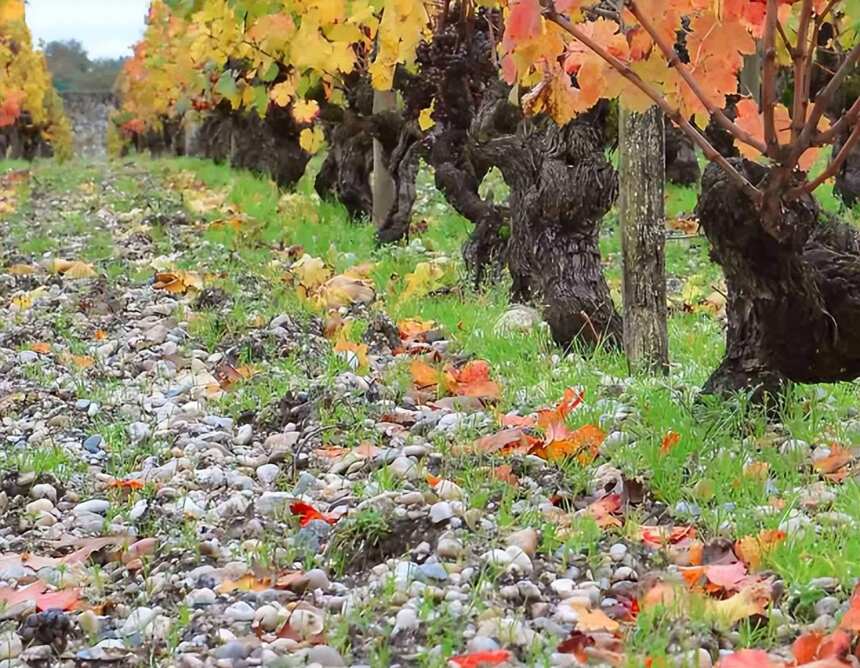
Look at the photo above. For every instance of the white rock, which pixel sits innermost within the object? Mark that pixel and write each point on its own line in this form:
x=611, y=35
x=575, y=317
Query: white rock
x=44, y=491
x=95, y=506
x=404, y=468
x=448, y=490
x=268, y=473
x=244, y=435
x=406, y=620
x=519, y=560
x=617, y=552
x=139, y=621
x=10, y=645
x=440, y=512
x=268, y=618
x=239, y=612
x=41, y=505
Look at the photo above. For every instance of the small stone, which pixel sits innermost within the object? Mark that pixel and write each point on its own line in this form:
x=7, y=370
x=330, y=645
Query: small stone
x=239, y=612
x=449, y=491
x=10, y=645
x=410, y=499
x=433, y=571
x=526, y=540
x=828, y=605
x=93, y=444
x=44, y=491
x=624, y=573
x=268, y=473
x=617, y=552
x=139, y=621
x=824, y=583
x=520, y=560
x=440, y=512
x=317, y=579
x=201, y=597
x=449, y=547
x=39, y=506
x=244, y=434
x=267, y=617
x=406, y=620
x=482, y=644
x=325, y=656
x=89, y=622
x=95, y=506
x=794, y=447
x=27, y=357
x=404, y=468
x=138, y=431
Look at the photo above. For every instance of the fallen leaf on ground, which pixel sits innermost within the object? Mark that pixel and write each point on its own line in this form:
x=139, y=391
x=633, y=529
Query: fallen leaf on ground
x=413, y=328
x=753, y=549
x=593, y=620
x=835, y=466
x=669, y=441
x=602, y=511
x=356, y=351
x=307, y=513
x=41, y=347
x=427, y=277
x=481, y=659
x=72, y=269
x=851, y=619
x=178, y=282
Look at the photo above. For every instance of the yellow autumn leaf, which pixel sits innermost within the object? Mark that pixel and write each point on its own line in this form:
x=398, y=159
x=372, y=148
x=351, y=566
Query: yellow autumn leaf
x=311, y=271
x=178, y=282
x=354, y=351
x=312, y=140
x=25, y=300
x=21, y=269
x=72, y=269
x=283, y=93
x=425, y=118
x=343, y=291
x=426, y=278
x=304, y=111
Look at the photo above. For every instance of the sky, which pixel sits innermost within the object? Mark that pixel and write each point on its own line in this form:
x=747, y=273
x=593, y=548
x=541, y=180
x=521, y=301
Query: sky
x=107, y=28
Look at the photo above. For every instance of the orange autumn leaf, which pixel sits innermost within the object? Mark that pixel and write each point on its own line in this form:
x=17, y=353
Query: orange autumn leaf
x=100, y=335
x=570, y=401
x=412, y=328
x=584, y=442
x=659, y=536
x=752, y=549
x=834, y=465
x=432, y=480
x=473, y=380
x=602, y=511
x=505, y=474
x=593, y=620
x=41, y=347
x=851, y=619
x=358, y=350
x=481, y=659
x=424, y=375
x=307, y=513
x=130, y=484
x=669, y=441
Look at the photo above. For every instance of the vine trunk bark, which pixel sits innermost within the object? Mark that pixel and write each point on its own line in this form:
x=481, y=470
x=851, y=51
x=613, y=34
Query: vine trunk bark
x=383, y=182
x=643, y=240
x=794, y=300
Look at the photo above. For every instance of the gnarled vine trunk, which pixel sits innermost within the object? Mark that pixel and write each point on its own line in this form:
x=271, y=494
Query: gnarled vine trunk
x=682, y=165
x=561, y=187
x=794, y=302
x=848, y=178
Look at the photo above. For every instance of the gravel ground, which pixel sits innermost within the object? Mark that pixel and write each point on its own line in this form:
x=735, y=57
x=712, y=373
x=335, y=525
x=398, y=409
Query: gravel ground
x=340, y=517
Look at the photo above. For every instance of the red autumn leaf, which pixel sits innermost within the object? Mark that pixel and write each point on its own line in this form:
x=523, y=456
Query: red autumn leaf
x=571, y=400
x=602, y=511
x=518, y=421
x=727, y=576
x=504, y=473
x=838, y=459
x=66, y=599
x=481, y=659
x=658, y=536
x=473, y=380
x=126, y=484
x=814, y=647
x=307, y=513
x=576, y=644
x=749, y=658
x=851, y=618
x=670, y=440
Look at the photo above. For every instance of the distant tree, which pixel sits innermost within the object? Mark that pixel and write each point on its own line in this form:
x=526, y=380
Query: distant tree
x=73, y=70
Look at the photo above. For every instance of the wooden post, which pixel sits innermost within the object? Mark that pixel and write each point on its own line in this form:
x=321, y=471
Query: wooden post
x=383, y=186
x=642, y=167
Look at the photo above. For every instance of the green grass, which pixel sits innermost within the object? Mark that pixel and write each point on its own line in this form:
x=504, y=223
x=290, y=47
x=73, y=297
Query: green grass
x=713, y=470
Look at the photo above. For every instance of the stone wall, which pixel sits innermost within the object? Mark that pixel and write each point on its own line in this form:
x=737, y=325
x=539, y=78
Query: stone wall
x=89, y=114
